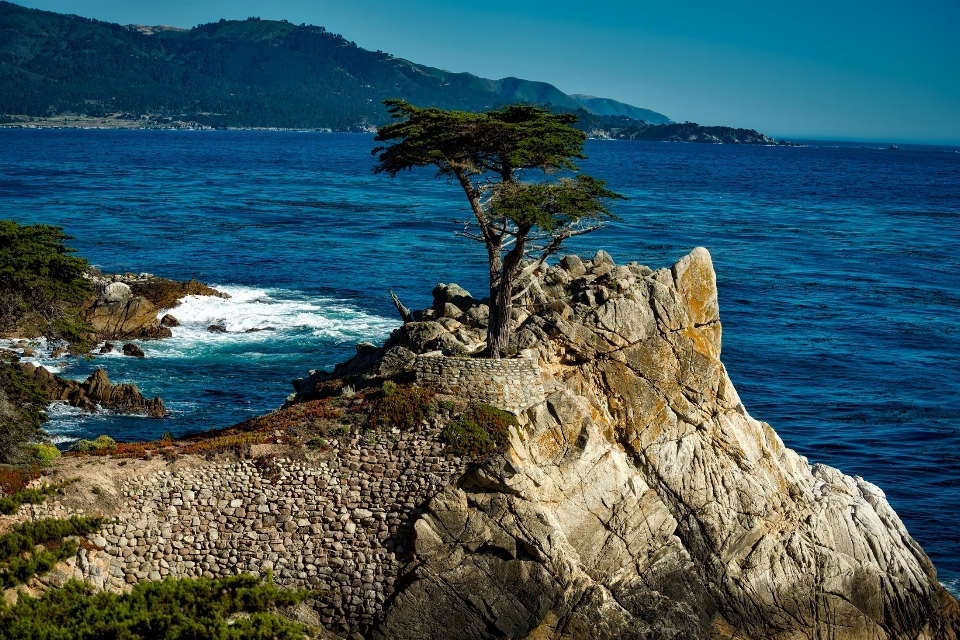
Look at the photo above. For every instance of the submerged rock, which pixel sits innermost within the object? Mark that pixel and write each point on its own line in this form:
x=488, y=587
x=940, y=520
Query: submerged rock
x=133, y=350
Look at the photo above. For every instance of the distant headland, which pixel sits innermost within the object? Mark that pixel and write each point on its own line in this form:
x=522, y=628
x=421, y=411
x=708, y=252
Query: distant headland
x=71, y=72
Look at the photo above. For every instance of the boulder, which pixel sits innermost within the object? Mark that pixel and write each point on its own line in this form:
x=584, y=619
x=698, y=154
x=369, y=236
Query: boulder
x=416, y=335
x=217, y=328
x=107, y=347
x=166, y=294
x=117, y=292
x=133, y=350
x=135, y=318
x=573, y=265
x=125, y=307
x=453, y=294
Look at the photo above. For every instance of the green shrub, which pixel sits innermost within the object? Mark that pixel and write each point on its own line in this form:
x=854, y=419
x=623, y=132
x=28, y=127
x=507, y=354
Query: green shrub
x=318, y=444
x=96, y=490
x=102, y=442
x=389, y=388
x=404, y=408
x=10, y=504
x=45, y=453
x=478, y=431
x=20, y=570
x=105, y=442
x=41, y=284
x=20, y=423
x=25, y=537
x=186, y=608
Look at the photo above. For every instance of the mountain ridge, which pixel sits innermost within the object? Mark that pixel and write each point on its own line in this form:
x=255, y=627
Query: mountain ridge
x=54, y=63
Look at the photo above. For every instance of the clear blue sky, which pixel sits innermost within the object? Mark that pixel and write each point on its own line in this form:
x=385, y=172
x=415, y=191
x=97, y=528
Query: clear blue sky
x=867, y=70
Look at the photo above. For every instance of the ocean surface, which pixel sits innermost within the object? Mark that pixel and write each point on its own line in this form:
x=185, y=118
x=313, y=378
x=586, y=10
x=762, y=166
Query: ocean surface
x=838, y=268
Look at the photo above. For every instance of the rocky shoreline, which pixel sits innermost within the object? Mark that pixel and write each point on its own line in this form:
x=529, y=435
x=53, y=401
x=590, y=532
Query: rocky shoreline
x=634, y=498
x=123, y=307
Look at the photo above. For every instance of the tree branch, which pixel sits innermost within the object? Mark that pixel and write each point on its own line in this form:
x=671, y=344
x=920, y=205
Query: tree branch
x=555, y=245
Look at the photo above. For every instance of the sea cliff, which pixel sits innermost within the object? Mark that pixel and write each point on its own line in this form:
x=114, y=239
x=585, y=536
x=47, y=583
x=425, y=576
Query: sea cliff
x=634, y=497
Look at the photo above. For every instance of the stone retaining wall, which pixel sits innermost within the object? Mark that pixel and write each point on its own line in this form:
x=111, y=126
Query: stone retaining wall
x=513, y=385
x=341, y=524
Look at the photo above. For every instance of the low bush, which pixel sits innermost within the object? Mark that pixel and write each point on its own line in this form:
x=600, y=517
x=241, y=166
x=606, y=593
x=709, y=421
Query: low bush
x=478, y=431
x=25, y=537
x=404, y=408
x=20, y=570
x=45, y=453
x=102, y=443
x=173, y=608
x=11, y=503
x=14, y=479
x=22, y=414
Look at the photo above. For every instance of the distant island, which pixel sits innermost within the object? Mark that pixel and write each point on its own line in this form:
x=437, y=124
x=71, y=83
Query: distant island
x=67, y=71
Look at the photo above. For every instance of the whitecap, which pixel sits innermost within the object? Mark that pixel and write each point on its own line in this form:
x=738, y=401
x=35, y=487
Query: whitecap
x=953, y=586
x=255, y=315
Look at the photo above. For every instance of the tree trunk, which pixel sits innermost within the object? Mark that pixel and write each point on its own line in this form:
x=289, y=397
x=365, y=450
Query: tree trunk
x=503, y=275
x=498, y=325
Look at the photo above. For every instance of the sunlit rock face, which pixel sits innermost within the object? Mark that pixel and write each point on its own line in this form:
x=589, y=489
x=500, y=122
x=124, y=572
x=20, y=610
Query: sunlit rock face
x=640, y=499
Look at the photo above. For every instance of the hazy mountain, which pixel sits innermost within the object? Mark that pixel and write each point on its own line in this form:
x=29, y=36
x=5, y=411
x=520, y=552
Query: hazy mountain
x=236, y=73
x=608, y=107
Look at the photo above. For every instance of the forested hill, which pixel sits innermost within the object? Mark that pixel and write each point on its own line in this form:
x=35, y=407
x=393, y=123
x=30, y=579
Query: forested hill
x=251, y=73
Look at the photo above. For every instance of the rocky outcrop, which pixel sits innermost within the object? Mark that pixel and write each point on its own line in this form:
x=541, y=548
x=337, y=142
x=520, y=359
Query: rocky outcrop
x=640, y=499
x=125, y=307
x=164, y=293
x=93, y=394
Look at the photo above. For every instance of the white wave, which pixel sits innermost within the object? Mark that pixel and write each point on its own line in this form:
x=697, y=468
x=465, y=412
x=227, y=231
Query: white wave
x=253, y=315
x=41, y=349
x=953, y=586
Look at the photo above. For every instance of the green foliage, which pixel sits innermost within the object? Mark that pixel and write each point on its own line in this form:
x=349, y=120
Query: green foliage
x=20, y=570
x=41, y=284
x=505, y=160
x=405, y=408
x=34, y=257
x=186, y=608
x=23, y=414
x=96, y=490
x=25, y=537
x=19, y=558
x=102, y=442
x=388, y=389
x=478, y=431
x=318, y=444
x=551, y=205
x=10, y=504
x=499, y=141
x=45, y=453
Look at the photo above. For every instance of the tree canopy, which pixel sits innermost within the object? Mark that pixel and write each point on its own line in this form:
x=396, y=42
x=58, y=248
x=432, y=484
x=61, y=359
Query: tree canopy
x=41, y=282
x=516, y=167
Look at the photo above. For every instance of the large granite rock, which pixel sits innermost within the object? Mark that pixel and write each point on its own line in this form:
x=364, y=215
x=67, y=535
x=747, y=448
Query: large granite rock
x=641, y=500
x=95, y=393
x=125, y=307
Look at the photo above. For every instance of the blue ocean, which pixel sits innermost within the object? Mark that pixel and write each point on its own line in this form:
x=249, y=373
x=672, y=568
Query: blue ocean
x=838, y=267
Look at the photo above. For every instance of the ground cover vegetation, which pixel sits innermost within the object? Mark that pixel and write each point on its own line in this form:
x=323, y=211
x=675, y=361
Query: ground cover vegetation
x=479, y=431
x=516, y=168
x=236, y=607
